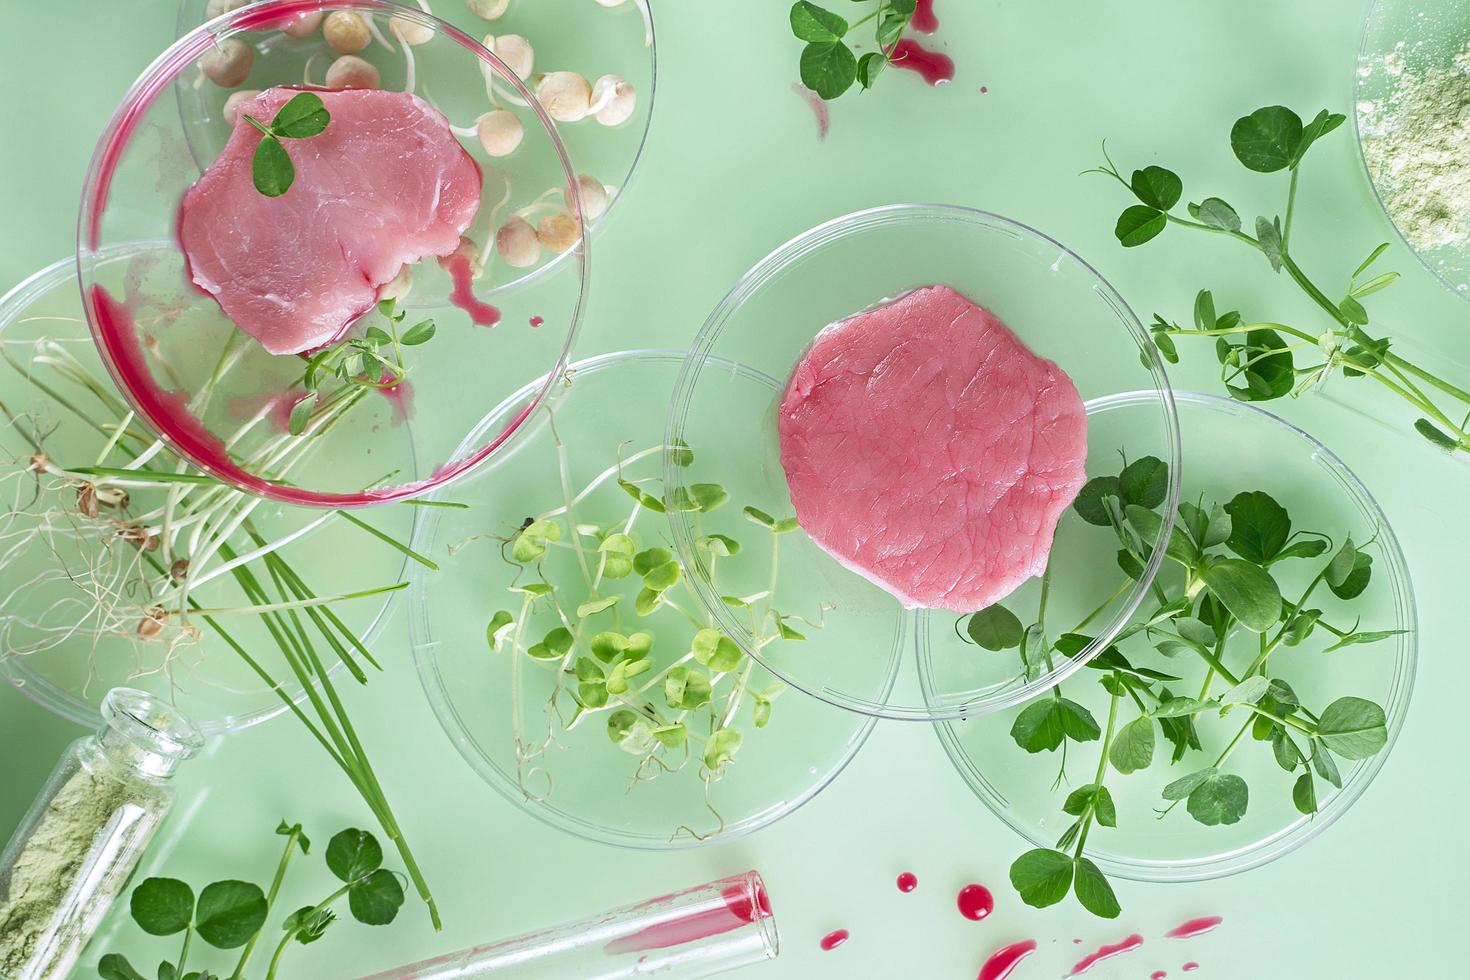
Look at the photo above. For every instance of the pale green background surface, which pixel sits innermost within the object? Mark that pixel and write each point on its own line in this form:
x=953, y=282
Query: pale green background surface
x=733, y=169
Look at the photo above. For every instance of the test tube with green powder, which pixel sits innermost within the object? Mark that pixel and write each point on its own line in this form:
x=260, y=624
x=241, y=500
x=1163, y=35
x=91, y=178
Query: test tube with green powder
x=78, y=844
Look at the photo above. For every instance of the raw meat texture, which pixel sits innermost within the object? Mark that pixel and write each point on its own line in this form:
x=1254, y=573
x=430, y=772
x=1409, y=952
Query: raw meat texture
x=928, y=449
x=384, y=185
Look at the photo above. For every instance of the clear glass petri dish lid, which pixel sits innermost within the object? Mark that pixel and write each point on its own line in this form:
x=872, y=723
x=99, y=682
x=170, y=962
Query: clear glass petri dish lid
x=865, y=657
x=505, y=305
x=1229, y=447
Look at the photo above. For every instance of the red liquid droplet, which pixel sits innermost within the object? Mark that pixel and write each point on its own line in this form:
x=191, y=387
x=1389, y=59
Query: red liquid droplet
x=923, y=19
x=1195, y=927
x=1106, y=953
x=536, y=321
x=983, y=89
x=834, y=939
x=975, y=902
x=1077, y=942
x=931, y=66
x=908, y=881
x=463, y=295
x=1004, y=960
x=1157, y=975
x=1190, y=967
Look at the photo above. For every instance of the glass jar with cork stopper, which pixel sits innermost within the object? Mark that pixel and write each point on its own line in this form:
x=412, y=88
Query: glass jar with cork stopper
x=78, y=844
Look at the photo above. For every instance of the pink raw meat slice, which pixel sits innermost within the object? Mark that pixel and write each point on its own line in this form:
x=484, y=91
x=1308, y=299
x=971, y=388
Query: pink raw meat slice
x=384, y=185
x=928, y=449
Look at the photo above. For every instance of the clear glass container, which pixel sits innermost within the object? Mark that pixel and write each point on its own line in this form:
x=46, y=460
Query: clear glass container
x=698, y=932
x=76, y=847
x=864, y=659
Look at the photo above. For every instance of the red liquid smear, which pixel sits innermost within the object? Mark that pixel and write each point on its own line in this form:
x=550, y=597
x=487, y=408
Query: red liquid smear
x=819, y=108
x=536, y=321
x=923, y=19
x=983, y=89
x=739, y=910
x=907, y=882
x=463, y=294
x=975, y=902
x=400, y=397
x=834, y=939
x=1157, y=975
x=1190, y=967
x=931, y=66
x=1004, y=960
x=1106, y=953
x=1194, y=927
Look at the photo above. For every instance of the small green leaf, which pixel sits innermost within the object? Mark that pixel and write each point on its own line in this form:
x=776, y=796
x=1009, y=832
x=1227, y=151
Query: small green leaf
x=499, y=629
x=1133, y=746
x=685, y=689
x=812, y=23
x=1259, y=526
x=1367, y=636
x=720, y=545
x=663, y=577
x=828, y=68
x=1184, y=785
x=1267, y=140
x=1138, y=224
x=594, y=606
x=1093, y=890
x=1357, y=580
x=1324, y=123
x=1248, y=591
x=229, y=913
x=1324, y=765
x=420, y=333
x=353, y=853
x=303, y=116
x=716, y=651
x=1353, y=728
x=115, y=966
x=630, y=732
x=1156, y=187
x=607, y=645
x=1221, y=798
x=1273, y=246
x=300, y=415
x=644, y=498
x=1089, y=503
x=1304, y=794
x=1248, y=691
x=162, y=906
x=869, y=67
x=721, y=747
x=1144, y=482
x=376, y=899
x=759, y=516
x=995, y=628
x=310, y=923
x=1042, y=876
x=1434, y=434
x=271, y=168
x=1217, y=214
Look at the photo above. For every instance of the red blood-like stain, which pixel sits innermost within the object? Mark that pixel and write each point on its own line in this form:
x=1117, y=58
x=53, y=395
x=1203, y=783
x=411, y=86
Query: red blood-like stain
x=536, y=321
x=740, y=909
x=931, y=66
x=1005, y=959
x=1077, y=942
x=908, y=881
x=975, y=902
x=1157, y=975
x=834, y=939
x=923, y=19
x=819, y=108
x=1195, y=927
x=1190, y=967
x=1106, y=953
x=482, y=314
x=984, y=89
x=400, y=397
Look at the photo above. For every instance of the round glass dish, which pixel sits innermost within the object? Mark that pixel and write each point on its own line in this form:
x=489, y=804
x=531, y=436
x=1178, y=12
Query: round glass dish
x=1229, y=447
x=183, y=378
x=593, y=39
x=62, y=550
x=1409, y=46
x=604, y=417
x=1058, y=305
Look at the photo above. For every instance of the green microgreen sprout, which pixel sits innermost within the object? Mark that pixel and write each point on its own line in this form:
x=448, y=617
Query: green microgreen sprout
x=829, y=66
x=300, y=118
x=672, y=703
x=1262, y=360
x=233, y=914
x=372, y=361
x=1222, y=610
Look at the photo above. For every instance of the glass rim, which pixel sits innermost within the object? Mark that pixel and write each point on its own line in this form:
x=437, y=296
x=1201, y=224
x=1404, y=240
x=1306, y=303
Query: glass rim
x=447, y=714
x=1356, y=780
x=117, y=135
x=778, y=262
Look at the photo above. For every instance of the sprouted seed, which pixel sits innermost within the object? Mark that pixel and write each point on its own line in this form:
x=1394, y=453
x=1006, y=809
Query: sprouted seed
x=232, y=104
x=558, y=231
x=517, y=243
x=488, y=9
x=228, y=63
x=565, y=95
x=346, y=31
x=350, y=71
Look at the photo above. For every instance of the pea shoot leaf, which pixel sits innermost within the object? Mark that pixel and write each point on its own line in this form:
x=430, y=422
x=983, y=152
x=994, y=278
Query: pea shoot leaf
x=1324, y=123
x=1304, y=794
x=1138, y=224
x=1357, y=580
x=162, y=906
x=1247, y=590
x=1354, y=728
x=115, y=966
x=995, y=628
x=1042, y=876
x=1089, y=503
x=828, y=68
x=303, y=116
x=1220, y=798
x=353, y=853
x=229, y=913
x=376, y=899
x=1156, y=187
x=271, y=169
x=1044, y=723
x=812, y=23
x=1144, y=482
x=1367, y=636
x=1133, y=746
x=1093, y=890
x=1267, y=140
x=1216, y=213
x=1259, y=526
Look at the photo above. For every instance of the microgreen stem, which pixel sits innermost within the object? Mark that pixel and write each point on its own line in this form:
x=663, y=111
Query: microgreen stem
x=270, y=900
x=1102, y=768
x=291, y=933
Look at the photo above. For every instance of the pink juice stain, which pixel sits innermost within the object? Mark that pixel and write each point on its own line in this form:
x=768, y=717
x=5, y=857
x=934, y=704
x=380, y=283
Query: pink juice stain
x=975, y=902
x=482, y=314
x=536, y=321
x=1157, y=975
x=923, y=19
x=907, y=882
x=1006, y=959
x=834, y=939
x=400, y=398
x=818, y=107
x=1190, y=967
x=1195, y=927
x=931, y=66
x=739, y=909
x=1106, y=953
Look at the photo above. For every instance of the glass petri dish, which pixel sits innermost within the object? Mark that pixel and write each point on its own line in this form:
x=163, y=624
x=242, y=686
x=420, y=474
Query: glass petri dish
x=171, y=124
x=495, y=705
x=1406, y=46
x=594, y=39
x=60, y=644
x=1243, y=448
x=865, y=657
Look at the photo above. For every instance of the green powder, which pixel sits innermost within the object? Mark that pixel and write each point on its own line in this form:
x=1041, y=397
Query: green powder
x=70, y=868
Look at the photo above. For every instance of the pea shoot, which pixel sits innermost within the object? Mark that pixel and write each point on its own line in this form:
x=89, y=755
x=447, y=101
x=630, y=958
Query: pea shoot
x=302, y=117
x=829, y=66
x=233, y=914
x=1219, y=614
x=1262, y=360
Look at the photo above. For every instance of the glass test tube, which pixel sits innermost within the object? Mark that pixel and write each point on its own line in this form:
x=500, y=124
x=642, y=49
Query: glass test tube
x=698, y=932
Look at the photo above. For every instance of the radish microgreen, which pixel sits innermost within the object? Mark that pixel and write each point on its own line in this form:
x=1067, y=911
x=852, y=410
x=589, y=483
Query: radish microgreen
x=302, y=117
x=1261, y=360
x=1220, y=612
x=374, y=360
x=829, y=66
